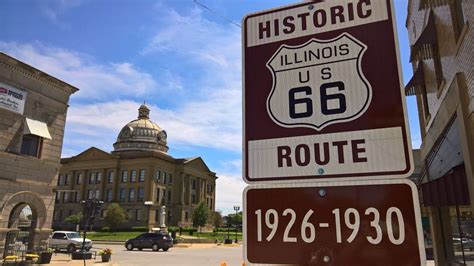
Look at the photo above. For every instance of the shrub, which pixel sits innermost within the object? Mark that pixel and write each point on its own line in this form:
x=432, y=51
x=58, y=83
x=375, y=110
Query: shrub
x=139, y=229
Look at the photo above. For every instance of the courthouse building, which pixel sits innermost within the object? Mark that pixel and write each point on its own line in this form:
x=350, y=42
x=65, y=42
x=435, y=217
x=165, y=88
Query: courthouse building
x=140, y=175
x=33, y=108
x=442, y=44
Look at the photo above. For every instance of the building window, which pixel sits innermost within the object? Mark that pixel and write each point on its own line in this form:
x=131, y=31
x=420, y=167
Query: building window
x=131, y=195
x=141, y=178
x=102, y=213
x=79, y=179
x=58, y=196
x=194, y=184
x=170, y=178
x=124, y=176
x=61, y=214
x=97, y=194
x=91, y=178
x=70, y=213
x=193, y=199
x=90, y=194
x=109, y=195
x=110, y=177
x=55, y=215
x=31, y=145
x=437, y=65
x=158, y=176
x=66, y=197
x=66, y=179
x=138, y=214
x=78, y=197
x=157, y=215
x=210, y=204
x=98, y=178
x=186, y=216
x=122, y=194
x=457, y=14
x=169, y=196
x=60, y=180
x=140, y=194
x=164, y=178
x=133, y=176
x=157, y=195
x=164, y=196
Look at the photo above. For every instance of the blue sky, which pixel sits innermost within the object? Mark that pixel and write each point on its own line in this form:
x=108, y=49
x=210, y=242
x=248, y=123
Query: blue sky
x=182, y=59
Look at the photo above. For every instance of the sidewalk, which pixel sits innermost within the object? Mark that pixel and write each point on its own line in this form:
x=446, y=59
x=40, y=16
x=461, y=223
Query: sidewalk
x=65, y=259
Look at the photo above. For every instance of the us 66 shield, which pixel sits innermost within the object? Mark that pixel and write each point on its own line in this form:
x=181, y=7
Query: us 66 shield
x=323, y=95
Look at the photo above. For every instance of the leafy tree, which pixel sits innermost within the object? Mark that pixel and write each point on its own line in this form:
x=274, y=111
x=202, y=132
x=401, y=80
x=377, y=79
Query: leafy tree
x=217, y=219
x=200, y=215
x=235, y=220
x=74, y=219
x=114, y=216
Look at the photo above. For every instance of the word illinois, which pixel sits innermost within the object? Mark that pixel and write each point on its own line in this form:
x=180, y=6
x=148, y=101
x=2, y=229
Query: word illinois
x=319, y=18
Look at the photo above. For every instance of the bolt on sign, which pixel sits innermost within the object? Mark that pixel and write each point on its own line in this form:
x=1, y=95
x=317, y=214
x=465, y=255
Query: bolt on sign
x=323, y=94
x=334, y=223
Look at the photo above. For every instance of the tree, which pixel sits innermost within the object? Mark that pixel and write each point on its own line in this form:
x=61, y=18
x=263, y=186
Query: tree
x=74, y=219
x=114, y=216
x=235, y=220
x=200, y=215
x=217, y=219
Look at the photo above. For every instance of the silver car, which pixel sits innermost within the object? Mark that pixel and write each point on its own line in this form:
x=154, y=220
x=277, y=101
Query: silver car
x=69, y=240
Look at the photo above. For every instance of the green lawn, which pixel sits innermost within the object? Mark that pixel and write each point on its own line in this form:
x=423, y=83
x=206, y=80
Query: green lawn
x=220, y=236
x=118, y=236
x=122, y=236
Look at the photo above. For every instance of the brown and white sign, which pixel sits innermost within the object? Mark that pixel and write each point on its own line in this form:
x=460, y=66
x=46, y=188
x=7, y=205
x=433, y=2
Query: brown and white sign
x=334, y=223
x=323, y=95
x=12, y=98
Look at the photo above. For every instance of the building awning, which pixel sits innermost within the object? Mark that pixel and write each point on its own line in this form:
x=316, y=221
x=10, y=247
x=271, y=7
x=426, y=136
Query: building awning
x=36, y=128
x=416, y=82
x=427, y=39
x=449, y=190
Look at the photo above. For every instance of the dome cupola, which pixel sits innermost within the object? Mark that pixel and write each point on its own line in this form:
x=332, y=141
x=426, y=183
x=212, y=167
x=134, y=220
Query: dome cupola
x=141, y=134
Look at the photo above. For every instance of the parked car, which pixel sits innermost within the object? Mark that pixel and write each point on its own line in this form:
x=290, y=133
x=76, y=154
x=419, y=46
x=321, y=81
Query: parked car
x=69, y=240
x=467, y=243
x=155, y=241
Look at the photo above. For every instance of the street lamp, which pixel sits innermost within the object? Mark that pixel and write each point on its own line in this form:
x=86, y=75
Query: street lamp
x=148, y=205
x=236, y=209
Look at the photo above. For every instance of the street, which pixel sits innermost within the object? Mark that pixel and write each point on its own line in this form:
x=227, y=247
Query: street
x=196, y=255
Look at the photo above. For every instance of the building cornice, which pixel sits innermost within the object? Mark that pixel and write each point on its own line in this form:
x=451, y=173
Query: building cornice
x=36, y=74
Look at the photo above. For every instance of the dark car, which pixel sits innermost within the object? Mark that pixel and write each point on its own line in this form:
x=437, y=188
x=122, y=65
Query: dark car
x=155, y=241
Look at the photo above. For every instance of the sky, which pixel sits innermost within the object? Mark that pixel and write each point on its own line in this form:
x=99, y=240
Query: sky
x=183, y=59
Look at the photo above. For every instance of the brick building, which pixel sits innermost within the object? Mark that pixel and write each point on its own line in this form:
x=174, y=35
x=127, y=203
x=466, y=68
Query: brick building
x=442, y=44
x=33, y=108
x=139, y=170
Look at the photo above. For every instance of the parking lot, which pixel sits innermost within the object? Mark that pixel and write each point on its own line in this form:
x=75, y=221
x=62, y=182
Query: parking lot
x=196, y=255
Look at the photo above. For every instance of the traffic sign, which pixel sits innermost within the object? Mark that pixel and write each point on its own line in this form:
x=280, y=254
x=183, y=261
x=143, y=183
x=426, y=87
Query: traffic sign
x=323, y=95
x=333, y=223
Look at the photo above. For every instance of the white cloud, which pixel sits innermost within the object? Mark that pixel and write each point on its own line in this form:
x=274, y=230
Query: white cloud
x=198, y=124
x=53, y=9
x=96, y=81
x=229, y=193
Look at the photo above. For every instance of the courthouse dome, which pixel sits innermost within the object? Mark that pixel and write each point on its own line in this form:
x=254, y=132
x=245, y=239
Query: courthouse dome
x=141, y=134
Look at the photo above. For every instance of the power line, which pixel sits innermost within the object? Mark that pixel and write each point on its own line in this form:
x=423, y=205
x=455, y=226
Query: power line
x=217, y=14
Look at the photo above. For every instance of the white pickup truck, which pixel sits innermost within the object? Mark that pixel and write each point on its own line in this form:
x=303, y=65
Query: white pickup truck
x=69, y=240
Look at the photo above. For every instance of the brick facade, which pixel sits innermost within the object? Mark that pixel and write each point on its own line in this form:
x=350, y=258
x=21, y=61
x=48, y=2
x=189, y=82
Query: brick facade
x=442, y=43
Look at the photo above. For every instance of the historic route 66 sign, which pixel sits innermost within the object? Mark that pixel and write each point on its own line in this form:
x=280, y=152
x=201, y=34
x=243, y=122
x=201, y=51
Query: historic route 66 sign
x=318, y=83
x=323, y=96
